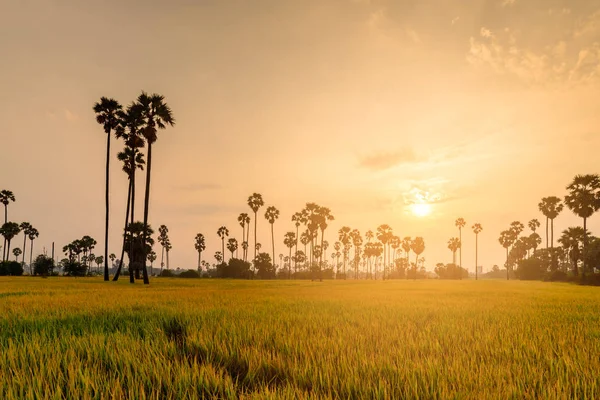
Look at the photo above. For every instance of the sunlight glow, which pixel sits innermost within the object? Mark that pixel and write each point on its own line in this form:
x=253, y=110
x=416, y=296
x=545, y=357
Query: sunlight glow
x=421, y=209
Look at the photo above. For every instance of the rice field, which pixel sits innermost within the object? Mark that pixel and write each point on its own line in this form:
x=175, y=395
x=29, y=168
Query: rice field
x=178, y=339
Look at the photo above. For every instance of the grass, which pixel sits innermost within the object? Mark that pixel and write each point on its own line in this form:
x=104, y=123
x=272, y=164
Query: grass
x=82, y=338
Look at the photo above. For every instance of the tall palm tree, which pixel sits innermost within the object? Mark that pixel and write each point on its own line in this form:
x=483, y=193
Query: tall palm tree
x=572, y=240
x=534, y=224
x=323, y=215
x=506, y=239
x=223, y=232
x=232, y=246
x=152, y=258
x=460, y=223
x=297, y=219
x=6, y=196
x=157, y=115
x=418, y=247
x=255, y=202
x=107, y=111
x=584, y=200
x=163, y=239
x=132, y=160
x=477, y=228
x=357, y=242
x=454, y=245
x=271, y=215
x=289, y=240
x=9, y=230
x=200, y=246
x=406, y=243
x=551, y=207
x=384, y=234
x=17, y=252
x=244, y=220
x=32, y=234
x=344, y=238
x=25, y=227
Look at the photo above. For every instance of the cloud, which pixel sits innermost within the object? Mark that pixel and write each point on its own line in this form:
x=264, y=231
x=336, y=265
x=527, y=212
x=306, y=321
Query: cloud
x=455, y=20
x=198, y=187
x=589, y=26
x=508, y=3
x=70, y=116
x=413, y=35
x=385, y=160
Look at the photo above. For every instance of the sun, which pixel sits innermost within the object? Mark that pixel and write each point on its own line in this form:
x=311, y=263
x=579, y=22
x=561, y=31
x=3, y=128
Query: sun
x=420, y=209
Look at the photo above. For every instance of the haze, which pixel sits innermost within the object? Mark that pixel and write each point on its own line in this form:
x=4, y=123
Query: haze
x=479, y=107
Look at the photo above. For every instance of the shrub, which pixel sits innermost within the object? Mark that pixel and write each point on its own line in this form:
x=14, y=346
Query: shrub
x=557, y=276
x=190, y=273
x=11, y=268
x=43, y=265
x=167, y=273
x=530, y=269
x=74, y=268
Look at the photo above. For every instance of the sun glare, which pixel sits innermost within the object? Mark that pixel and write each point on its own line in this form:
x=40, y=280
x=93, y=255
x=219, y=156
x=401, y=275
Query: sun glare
x=421, y=209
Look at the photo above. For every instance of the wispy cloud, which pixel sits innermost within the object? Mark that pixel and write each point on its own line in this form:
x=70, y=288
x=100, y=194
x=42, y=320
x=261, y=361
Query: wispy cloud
x=385, y=160
x=198, y=187
x=508, y=3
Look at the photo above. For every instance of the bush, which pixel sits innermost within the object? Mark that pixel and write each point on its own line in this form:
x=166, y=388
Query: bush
x=557, y=276
x=43, y=265
x=11, y=268
x=167, y=273
x=451, y=271
x=530, y=269
x=236, y=268
x=74, y=268
x=190, y=273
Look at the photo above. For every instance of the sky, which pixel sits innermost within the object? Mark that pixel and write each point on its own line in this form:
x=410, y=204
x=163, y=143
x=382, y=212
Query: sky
x=363, y=106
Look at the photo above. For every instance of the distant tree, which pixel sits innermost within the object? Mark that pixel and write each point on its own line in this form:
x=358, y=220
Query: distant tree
x=138, y=238
x=271, y=215
x=551, y=207
x=6, y=196
x=534, y=224
x=460, y=223
x=25, y=228
x=74, y=268
x=200, y=246
x=163, y=239
x=289, y=241
x=345, y=240
x=572, y=241
x=406, y=246
x=322, y=217
x=418, y=247
x=17, y=252
x=9, y=230
x=152, y=258
x=112, y=257
x=264, y=266
x=454, y=244
x=255, y=202
x=219, y=257
x=357, y=241
x=11, y=268
x=244, y=221
x=107, y=111
x=232, y=246
x=156, y=114
x=584, y=200
x=384, y=234
x=223, y=233
x=477, y=228
x=506, y=239
x=99, y=260
x=297, y=219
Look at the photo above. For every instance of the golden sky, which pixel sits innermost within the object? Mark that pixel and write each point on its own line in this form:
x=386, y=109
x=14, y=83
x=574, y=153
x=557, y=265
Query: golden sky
x=483, y=107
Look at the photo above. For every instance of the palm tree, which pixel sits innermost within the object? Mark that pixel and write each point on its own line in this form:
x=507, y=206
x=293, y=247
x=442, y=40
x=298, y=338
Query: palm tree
x=305, y=239
x=32, y=234
x=244, y=220
x=344, y=238
x=323, y=215
x=200, y=246
x=152, y=258
x=550, y=207
x=418, y=246
x=534, y=241
x=584, y=200
x=406, y=246
x=477, y=228
x=107, y=111
x=232, y=246
x=454, y=245
x=506, y=239
x=297, y=219
x=271, y=215
x=533, y=225
x=163, y=239
x=357, y=242
x=6, y=196
x=141, y=236
x=25, y=227
x=9, y=230
x=384, y=234
x=223, y=232
x=113, y=257
x=289, y=240
x=17, y=252
x=157, y=115
x=460, y=223
x=255, y=202
x=571, y=240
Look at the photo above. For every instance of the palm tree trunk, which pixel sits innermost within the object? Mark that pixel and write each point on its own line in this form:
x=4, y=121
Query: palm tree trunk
x=168, y=266
x=507, y=277
x=162, y=259
x=30, y=254
x=222, y=248
x=273, y=242
x=116, y=277
x=321, y=258
x=476, y=254
x=583, y=265
x=8, y=252
x=460, y=249
x=4, y=252
x=146, y=206
x=290, y=264
x=254, y=261
x=198, y=260
x=547, y=231
x=107, y=208
x=24, y=247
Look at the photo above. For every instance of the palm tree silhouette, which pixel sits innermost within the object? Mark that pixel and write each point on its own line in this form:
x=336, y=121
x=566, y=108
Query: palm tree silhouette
x=17, y=252
x=572, y=239
x=357, y=242
x=454, y=245
x=244, y=220
x=112, y=257
x=107, y=115
x=163, y=240
x=344, y=238
x=534, y=241
x=506, y=239
x=584, y=200
x=477, y=228
x=323, y=215
x=9, y=230
x=406, y=246
x=157, y=115
x=255, y=202
x=6, y=196
x=297, y=219
x=232, y=246
x=418, y=247
x=200, y=246
x=550, y=207
x=533, y=225
x=223, y=232
x=32, y=234
x=152, y=258
x=460, y=223
x=25, y=227
x=289, y=240
x=384, y=234
x=271, y=215
x=305, y=239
